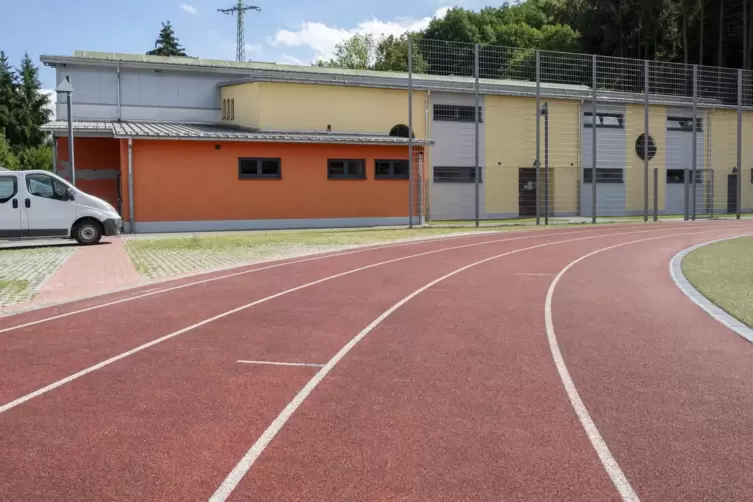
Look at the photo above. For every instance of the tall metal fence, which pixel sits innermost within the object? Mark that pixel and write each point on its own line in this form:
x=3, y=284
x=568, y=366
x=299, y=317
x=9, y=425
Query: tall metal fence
x=522, y=133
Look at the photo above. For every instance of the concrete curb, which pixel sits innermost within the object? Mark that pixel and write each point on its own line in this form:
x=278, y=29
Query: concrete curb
x=675, y=270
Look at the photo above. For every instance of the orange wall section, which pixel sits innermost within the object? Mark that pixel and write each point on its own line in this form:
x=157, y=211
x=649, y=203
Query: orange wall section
x=193, y=181
x=93, y=154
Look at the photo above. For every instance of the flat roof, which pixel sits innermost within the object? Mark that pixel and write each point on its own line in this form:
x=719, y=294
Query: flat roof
x=216, y=132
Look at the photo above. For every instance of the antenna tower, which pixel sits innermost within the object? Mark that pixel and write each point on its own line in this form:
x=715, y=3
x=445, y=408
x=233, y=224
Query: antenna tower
x=239, y=10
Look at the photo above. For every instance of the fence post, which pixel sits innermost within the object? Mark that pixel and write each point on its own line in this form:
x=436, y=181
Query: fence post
x=476, y=133
x=546, y=163
x=538, y=134
x=593, y=144
x=410, y=132
x=695, y=136
x=739, y=200
x=645, y=143
x=656, y=194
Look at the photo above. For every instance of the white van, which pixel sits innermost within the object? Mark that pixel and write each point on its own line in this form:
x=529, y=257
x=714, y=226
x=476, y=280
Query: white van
x=39, y=204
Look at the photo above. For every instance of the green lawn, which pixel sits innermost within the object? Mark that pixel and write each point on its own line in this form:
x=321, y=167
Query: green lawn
x=13, y=287
x=723, y=272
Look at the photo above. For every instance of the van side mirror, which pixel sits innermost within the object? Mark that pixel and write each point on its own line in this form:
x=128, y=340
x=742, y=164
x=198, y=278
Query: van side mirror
x=70, y=193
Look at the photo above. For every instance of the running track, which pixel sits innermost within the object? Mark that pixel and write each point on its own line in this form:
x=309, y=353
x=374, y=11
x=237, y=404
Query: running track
x=536, y=365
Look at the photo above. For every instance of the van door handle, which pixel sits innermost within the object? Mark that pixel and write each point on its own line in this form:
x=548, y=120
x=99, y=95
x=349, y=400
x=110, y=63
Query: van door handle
x=27, y=203
x=15, y=203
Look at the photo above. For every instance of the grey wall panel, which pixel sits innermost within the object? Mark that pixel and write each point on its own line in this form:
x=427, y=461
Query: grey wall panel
x=91, y=85
x=176, y=89
x=164, y=114
x=453, y=201
x=454, y=145
x=87, y=111
x=610, y=199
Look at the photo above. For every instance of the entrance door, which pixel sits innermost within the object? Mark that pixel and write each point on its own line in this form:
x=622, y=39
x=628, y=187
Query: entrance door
x=49, y=213
x=10, y=210
x=732, y=193
x=527, y=191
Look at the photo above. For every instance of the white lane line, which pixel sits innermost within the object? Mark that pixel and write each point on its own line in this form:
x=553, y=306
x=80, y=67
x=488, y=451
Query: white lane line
x=242, y=467
x=536, y=233
x=147, y=345
x=609, y=463
x=532, y=274
x=276, y=363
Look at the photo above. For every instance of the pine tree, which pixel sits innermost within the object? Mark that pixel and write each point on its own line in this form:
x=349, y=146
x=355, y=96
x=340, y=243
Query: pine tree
x=31, y=112
x=8, y=85
x=167, y=43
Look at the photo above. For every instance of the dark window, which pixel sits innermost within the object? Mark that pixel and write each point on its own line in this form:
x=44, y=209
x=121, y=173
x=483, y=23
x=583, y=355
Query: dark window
x=606, y=120
x=391, y=169
x=675, y=176
x=8, y=188
x=47, y=187
x=603, y=175
x=346, y=169
x=447, y=174
x=684, y=124
x=224, y=109
x=400, y=131
x=259, y=168
x=232, y=109
x=456, y=113
x=751, y=175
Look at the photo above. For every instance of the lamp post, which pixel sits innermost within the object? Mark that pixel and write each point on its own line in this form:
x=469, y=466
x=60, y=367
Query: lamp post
x=545, y=114
x=66, y=88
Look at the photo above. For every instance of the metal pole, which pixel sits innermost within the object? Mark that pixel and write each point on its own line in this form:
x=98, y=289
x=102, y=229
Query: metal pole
x=476, y=132
x=54, y=154
x=593, y=144
x=738, y=202
x=656, y=194
x=131, y=211
x=71, y=157
x=538, y=133
x=695, y=135
x=645, y=145
x=410, y=133
x=421, y=186
x=546, y=163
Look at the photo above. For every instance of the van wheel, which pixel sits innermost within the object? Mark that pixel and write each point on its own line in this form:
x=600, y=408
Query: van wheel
x=87, y=233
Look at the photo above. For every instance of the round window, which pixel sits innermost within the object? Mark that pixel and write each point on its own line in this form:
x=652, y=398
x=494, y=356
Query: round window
x=640, y=147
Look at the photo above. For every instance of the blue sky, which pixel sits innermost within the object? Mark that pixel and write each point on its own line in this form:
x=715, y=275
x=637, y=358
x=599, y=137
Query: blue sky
x=291, y=31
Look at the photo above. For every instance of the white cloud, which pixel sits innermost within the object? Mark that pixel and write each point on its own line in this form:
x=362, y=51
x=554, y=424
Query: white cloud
x=51, y=103
x=294, y=60
x=253, y=49
x=322, y=38
x=189, y=8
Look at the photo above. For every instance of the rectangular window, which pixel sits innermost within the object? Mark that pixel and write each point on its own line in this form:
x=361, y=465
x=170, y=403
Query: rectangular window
x=224, y=109
x=232, y=109
x=603, y=175
x=751, y=174
x=8, y=188
x=259, y=168
x=684, y=124
x=456, y=113
x=675, y=176
x=346, y=169
x=605, y=120
x=452, y=174
x=391, y=169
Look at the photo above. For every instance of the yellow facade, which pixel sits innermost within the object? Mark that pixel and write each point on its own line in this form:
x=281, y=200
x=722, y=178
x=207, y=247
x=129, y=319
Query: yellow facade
x=747, y=153
x=722, y=128
x=634, y=172
x=510, y=124
x=309, y=107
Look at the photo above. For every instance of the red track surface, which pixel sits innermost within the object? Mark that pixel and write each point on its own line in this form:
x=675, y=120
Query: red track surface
x=454, y=396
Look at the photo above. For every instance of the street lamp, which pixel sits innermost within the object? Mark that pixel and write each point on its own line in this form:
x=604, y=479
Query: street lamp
x=66, y=88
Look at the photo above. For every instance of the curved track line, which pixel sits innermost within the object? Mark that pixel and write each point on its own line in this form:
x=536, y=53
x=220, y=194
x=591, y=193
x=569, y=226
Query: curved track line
x=90, y=369
x=609, y=463
x=275, y=265
x=244, y=465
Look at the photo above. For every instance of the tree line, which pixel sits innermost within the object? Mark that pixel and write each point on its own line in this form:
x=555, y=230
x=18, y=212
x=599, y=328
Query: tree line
x=714, y=33
x=23, y=110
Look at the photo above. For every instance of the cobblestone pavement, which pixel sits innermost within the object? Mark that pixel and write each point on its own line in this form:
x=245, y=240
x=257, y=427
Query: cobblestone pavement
x=24, y=271
x=165, y=262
